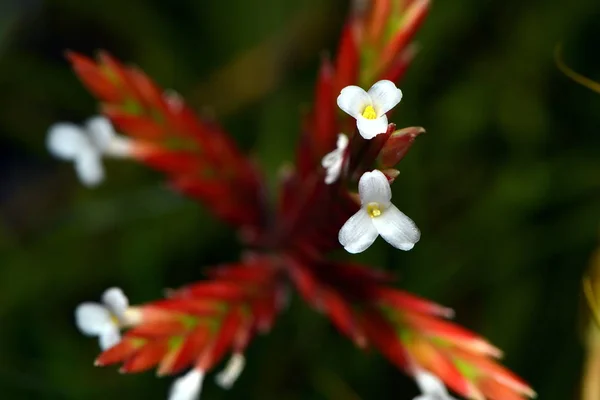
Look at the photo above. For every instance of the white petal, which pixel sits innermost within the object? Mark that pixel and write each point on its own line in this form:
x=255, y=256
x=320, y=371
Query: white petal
x=232, y=371
x=374, y=187
x=333, y=172
x=115, y=300
x=101, y=132
x=369, y=128
x=353, y=100
x=331, y=159
x=187, y=387
x=397, y=229
x=66, y=141
x=92, y=319
x=431, y=386
x=342, y=142
x=358, y=233
x=109, y=338
x=89, y=168
x=174, y=100
x=385, y=96
x=104, y=138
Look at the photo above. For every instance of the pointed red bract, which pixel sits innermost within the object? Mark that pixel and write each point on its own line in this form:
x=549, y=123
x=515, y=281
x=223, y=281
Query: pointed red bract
x=198, y=324
x=138, y=109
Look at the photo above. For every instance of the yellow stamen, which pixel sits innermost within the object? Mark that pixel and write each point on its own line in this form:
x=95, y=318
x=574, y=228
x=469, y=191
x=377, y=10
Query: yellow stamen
x=369, y=112
x=374, y=210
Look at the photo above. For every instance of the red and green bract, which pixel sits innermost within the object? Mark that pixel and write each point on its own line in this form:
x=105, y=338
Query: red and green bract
x=199, y=324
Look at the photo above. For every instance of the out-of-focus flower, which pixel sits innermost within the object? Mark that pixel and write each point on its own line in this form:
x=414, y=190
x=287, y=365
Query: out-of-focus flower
x=86, y=145
x=432, y=388
x=188, y=387
x=377, y=216
x=369, y=108
x=232, y=371
x=105, y=319
x=334, y=161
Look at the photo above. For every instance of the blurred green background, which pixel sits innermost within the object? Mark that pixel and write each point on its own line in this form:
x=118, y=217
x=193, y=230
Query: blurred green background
x=505, y=186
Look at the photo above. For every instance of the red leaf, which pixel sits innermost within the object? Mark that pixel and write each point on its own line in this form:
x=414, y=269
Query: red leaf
x=413, y=17
x=146, y=357
x=230, y=327
x=119, y=352
x=194, y=306
x=94, y=78
x=340, y=313
x=378, y=17
x=187, y=353
x=405, y=301
x=384, y=336
x=453, y=333
x=157, y=329
x=347, y=61
x=398, y=144
x=137, y=126
x=150, y=95
x=431, y=358
x=493, y=370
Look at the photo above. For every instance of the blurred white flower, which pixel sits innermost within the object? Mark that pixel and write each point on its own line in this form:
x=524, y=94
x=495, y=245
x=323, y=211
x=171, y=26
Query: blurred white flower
x=377, y=216
x=187, y=387
x=85, y=146
x=231, y=372
x=105, y=319
x=369, y=108
x=432, y=388
x=334, y=162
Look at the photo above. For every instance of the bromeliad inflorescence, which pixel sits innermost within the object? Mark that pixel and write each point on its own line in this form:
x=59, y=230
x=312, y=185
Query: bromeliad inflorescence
x=201, y=324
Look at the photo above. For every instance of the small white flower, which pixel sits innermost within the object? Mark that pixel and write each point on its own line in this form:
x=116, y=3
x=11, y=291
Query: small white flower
x=369, y=108
x=231, y=372
x=173, y=100
x=334, y=162
x=377, y=216
x=431, y=387
x=85, y=146
x=104, y=319
x=187, y=387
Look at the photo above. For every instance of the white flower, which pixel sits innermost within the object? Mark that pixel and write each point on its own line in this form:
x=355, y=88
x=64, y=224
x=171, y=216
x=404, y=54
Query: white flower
x=377, y=216
x=104, y=319
x=85, y=146
x=369, y=108
x=187, y=387
x=231, y=372
x=431, y=387
x=333, y=162
x=173, y=99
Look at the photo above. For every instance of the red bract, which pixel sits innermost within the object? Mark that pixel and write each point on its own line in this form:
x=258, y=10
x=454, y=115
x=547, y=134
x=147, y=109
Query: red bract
x=199, y=159
x=199, y=324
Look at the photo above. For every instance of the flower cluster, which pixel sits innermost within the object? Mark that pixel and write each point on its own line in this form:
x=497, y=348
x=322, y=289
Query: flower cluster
x=198, y=325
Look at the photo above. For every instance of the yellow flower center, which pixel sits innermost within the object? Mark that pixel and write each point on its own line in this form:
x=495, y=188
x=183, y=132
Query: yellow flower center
x=114, y=319
x=369, y=112
x=374, y=210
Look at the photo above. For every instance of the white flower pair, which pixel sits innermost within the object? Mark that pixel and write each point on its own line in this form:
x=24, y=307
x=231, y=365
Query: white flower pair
x=377, y=215
x=85, y=146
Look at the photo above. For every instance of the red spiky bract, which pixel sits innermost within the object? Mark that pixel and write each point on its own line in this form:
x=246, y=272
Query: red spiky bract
x=199, y=324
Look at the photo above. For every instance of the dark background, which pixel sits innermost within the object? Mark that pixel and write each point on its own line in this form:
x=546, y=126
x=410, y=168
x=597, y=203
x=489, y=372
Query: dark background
x=505, y=186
